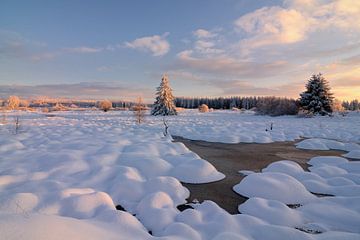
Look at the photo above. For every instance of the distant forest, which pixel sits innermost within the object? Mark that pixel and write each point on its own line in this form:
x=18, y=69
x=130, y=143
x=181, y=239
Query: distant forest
x=247, y=102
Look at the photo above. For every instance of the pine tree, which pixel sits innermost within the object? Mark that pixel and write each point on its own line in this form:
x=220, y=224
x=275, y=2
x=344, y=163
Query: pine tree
x=317, y=98
x=164, y=103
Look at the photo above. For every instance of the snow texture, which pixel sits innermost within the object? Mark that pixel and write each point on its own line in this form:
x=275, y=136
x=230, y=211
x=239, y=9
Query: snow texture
x=328, y=175
x=63, y=174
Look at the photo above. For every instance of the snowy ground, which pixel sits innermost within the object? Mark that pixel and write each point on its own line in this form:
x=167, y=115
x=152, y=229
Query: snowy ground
x=62, y=176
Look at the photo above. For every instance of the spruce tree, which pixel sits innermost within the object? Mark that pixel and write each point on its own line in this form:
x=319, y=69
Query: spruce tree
x=317, y=98
x=164, y=103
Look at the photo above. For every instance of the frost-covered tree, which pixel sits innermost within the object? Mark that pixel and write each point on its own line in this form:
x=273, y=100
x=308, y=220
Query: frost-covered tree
x=105, y=105
x=203, y=108
x=13, y=102
x=164, y=103
x=317, y=99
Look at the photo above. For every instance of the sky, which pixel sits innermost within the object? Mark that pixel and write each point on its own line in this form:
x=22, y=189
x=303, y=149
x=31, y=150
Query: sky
x=119, y=49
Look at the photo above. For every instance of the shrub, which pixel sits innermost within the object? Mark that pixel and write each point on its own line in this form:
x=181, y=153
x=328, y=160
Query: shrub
x=337, y=106
x=105, y=105
x=203, y=108
x=13, y=102
x=274, y=106
x=59, y=107
x=24, y=103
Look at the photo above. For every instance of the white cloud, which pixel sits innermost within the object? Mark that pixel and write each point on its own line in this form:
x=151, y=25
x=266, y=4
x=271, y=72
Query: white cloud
x=83, y=49
x=273, y=25
x=202, y=33
x=82, y=90
x=44, y=56
x=157, y=45
x=296, y=20
x=223, y=64
x=103, y=69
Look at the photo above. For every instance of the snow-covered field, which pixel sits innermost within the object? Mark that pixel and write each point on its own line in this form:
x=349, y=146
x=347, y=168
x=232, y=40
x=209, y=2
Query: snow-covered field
x=62, y=176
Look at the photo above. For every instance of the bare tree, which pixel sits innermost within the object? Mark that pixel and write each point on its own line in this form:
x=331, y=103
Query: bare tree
x=139, y=110
x=105, y=105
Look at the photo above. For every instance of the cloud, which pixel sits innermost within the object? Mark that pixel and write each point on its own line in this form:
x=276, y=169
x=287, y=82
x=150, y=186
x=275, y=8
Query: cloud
x=83, y=90
x=273, y=25
x=296, y=20
x=245, y=88
x=202, y=33
x=49, y=55
x=14, y=45
x=103, y=69
x=226, y=65
x=44, y=56
x=157, y=45
x=277, y=45
x=83, y=49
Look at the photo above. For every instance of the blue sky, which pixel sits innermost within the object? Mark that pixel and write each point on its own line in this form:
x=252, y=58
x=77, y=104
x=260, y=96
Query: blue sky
x=120, y=49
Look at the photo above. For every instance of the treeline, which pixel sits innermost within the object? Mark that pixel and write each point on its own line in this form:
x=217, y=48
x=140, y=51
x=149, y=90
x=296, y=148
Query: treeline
x=353, y=105
x=274, y=106
x=218, y=103
x=80, y=104
x=14, y=102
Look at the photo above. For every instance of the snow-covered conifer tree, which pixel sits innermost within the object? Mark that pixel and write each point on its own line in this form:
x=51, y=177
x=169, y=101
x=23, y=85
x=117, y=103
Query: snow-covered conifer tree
x=164, y=103
x=317, y=98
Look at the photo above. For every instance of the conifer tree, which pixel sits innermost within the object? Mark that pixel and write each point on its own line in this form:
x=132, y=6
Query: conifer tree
x=317, y=99
x=164, y=103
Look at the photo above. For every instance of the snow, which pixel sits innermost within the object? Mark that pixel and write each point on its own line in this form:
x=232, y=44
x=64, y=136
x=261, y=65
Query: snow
x=328, y=175
x=62, y=176
x=328, y=160
x=355, y=154
x=272, y=211
x=41, y=226
x=275, y=186
x=235, y=127
x=327, y=144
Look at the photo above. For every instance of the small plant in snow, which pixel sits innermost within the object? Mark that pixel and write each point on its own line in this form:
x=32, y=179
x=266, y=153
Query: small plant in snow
x=16, y=125
x=166, y=127
x=270, y=128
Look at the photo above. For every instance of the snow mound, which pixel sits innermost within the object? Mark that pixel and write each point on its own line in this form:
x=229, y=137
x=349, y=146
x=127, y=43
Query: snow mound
x=156, y=211
x=272, y=211
x=312, y=144
x=86, y=205
x=274, y=186
x=328, y=171
x=327, y=160
x=326, y=144
x=52, y=227
x=196, y=171
x=9, y=144
x=285, y=166
x=355, y=154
